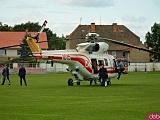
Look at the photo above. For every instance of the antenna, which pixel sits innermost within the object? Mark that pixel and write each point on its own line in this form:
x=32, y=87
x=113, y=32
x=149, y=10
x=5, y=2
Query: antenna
x=100, y=18
x=80, y=20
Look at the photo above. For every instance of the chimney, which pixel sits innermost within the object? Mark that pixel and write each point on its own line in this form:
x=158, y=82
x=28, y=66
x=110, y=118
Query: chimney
x=93, y=30
x=115, y=28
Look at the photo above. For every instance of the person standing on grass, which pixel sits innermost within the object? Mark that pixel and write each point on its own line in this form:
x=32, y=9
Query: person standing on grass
x=9, y=82
x=103, y=74
x=4, y=75
x=22, y=75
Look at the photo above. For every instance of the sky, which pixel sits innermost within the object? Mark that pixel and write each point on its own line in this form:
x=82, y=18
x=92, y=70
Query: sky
x=64, y=16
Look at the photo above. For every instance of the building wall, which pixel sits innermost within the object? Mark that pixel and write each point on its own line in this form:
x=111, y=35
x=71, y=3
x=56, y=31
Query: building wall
x=11, y=53
x=8, y=55
x=138, y=56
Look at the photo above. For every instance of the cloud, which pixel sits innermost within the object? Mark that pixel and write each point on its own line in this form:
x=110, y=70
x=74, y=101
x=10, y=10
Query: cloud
x=136, y=25
x=157, y=2
x=23, y=18
x=88, y=3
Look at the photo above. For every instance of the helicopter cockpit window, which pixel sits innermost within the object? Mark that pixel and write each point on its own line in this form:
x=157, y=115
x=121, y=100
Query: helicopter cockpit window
x=106, y=62
x=100, y=62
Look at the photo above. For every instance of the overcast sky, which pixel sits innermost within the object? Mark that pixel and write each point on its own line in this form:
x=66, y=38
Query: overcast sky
x=64, y=16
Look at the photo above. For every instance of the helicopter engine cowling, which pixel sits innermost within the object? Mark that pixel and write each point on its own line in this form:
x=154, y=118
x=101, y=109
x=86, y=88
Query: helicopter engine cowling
x=99, y=47
x=103, y=47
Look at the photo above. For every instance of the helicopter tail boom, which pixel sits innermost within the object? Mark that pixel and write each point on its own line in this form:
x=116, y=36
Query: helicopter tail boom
x=34, y=47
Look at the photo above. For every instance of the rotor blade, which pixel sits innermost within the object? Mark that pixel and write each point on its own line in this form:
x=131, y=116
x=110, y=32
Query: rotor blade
x=43, y=26
x=128, y=45
x=18, y=45
x=42, y=41
x=41, y=30
x=10, y=46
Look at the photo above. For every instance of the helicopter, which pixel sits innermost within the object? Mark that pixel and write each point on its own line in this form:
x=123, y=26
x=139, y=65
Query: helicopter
x=84, y=61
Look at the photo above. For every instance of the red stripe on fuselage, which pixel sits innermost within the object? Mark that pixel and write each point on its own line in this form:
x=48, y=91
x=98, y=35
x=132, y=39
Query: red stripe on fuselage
x=85, y=63
x=111, y=71
x=38, y=56
x=82, y=59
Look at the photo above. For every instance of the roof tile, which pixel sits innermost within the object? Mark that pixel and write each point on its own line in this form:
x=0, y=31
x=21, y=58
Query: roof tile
x=13, y=38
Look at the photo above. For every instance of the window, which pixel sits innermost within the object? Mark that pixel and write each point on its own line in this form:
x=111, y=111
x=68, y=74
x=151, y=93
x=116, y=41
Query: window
x=106, y=62
x=2, y=52
x=100, y=62
x=114, y=53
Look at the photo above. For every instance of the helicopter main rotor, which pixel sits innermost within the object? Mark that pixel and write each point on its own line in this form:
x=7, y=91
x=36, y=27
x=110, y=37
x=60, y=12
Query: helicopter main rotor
x=92, y=37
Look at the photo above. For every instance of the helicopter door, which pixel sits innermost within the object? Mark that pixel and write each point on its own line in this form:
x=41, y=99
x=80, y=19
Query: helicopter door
x=101, y=62
x=94, y=66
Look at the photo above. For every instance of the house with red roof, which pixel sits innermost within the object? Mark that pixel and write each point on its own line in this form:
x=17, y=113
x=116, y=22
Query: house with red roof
x=13, y=38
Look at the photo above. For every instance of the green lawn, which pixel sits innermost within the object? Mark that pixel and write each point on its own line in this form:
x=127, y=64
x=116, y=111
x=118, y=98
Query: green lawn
x=48, y=97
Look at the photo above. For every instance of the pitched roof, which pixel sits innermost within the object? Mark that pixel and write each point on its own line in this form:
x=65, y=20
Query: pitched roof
x=13, y=38
x=114, y=31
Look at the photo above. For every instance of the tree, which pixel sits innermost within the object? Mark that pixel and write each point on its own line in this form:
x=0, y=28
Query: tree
x=56, y=43
x=153, y=39
x=29, y=25
x=5, y=27
x=25, y=52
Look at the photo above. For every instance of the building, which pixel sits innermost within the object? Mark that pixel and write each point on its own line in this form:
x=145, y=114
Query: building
x=13, y=38
x=115, y=32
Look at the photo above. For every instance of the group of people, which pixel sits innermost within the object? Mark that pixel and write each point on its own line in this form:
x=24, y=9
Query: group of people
x=103, y=73
x=21, y=74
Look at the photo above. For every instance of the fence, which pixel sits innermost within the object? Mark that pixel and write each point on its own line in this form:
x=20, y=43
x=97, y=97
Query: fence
x=133, y=67
x=144, y=67
x=42, y=68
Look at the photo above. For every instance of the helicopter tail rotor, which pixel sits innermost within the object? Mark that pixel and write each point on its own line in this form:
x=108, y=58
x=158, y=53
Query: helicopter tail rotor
x=41, y=30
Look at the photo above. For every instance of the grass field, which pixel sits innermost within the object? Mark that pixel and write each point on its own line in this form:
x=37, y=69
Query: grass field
x=48, y=97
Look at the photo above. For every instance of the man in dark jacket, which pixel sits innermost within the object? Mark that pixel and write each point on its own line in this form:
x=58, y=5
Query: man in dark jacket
x=5, y=75
x=22, y=75
x=103, y=75
x=9, y=82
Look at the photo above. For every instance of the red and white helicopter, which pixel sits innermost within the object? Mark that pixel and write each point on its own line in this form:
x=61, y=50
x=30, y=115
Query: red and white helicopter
x=83, y=62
